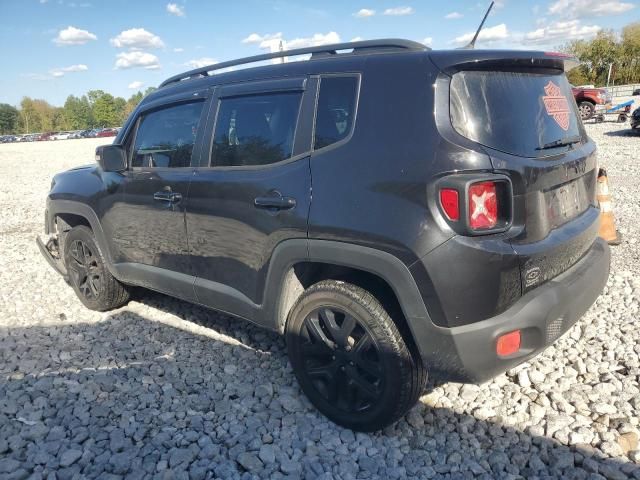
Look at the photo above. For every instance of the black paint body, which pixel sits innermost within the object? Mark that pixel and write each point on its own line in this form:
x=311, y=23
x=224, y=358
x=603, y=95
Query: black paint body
x=367, y=203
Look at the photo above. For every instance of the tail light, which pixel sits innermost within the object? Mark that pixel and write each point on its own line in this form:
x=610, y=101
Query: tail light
x=483, y=205
x=476, y=204
x=450, y=203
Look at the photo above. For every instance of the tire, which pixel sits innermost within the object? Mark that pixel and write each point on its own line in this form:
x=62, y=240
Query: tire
x=350, y=358
x=587, y=109
x=96, y=288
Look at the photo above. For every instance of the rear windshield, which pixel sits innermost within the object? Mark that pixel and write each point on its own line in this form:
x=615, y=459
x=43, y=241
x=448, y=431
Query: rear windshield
x=524, y=114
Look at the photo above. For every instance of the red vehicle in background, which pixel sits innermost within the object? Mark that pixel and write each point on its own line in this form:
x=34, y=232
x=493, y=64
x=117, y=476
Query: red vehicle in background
x=107, y=132
x=46, y=136
x=588, y=97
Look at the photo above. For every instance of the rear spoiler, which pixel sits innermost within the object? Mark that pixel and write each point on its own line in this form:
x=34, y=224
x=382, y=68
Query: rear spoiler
x=451, y=61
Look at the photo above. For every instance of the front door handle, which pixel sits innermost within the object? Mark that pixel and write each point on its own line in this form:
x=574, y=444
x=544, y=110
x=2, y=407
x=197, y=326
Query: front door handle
x=276, y=202
x=167, y=196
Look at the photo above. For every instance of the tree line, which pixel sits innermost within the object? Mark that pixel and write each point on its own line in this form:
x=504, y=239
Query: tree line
x=607, y=50
x=95, y=109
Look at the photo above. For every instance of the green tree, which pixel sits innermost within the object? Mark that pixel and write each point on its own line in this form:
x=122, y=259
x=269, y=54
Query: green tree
x=29, y=120
x=105, y=111
x=605, y=51
x=77, y=112
x=8, y=118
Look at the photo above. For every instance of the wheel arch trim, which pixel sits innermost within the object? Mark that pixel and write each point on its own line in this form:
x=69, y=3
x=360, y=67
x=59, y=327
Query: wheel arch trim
x=58, y=207
x=377, y=262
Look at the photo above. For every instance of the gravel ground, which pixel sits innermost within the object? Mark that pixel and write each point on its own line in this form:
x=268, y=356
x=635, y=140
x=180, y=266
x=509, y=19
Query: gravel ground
x=164, y=389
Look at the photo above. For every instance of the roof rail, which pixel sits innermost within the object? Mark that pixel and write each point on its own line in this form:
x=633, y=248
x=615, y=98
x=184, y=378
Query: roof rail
x=323, y=50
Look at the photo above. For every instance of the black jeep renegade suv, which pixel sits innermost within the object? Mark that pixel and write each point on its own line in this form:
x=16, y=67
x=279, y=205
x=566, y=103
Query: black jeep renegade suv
x=390, y=209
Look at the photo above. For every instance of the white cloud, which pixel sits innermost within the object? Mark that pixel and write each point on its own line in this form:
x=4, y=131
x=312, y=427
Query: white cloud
x=178, y=50
x=398, y=11
x=453, y=15
x=175, y=9
x=257, y=38
x=74, y=36
x=588, y=8
x=491, y=34
x=560, y=32
x=135, y=85
x=313, y=41
x=356, y=39
x=201, y=62
x=59, y=72
x=428, y=41
x=364, y=13
x=137, y=59
x=137, y=38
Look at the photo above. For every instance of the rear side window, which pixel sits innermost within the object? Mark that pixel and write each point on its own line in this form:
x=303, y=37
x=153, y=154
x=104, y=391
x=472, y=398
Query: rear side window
x=255, y=130
x=520, y=113
x=165, y=138
x=336, y=109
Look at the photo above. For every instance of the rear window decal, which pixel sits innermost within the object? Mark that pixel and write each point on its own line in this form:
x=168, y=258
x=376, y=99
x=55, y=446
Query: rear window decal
x=556, y=105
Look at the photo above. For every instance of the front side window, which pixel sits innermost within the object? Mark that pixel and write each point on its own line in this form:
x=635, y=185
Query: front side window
x=165, y=138
x=336, y=109
x=255, y=129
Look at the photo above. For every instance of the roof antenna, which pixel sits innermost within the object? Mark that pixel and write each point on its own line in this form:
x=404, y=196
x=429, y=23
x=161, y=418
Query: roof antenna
x=471, y=45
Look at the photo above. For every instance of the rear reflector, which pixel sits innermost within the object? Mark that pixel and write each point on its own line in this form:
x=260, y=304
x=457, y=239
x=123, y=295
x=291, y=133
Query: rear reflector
x=508, y=344
x=449, y=202
x=483, y=206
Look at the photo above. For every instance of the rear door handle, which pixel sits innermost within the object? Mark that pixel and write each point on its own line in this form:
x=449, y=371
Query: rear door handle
x=164, y=196
x=276, y=202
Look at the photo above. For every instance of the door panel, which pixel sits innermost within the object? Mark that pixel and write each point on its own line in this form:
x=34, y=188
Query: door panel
x=254, y=192
x=230, y=237
x=153, y=237
x=152, y=229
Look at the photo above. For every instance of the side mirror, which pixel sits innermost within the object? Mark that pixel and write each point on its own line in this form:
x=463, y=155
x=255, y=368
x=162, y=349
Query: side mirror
x=111, y=158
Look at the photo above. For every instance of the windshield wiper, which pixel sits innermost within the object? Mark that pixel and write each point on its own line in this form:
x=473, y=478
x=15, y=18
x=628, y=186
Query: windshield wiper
x=561, y=142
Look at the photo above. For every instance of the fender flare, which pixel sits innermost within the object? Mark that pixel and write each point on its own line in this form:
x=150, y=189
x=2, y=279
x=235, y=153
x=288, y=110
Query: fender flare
x=382, y=264
x=57, y=207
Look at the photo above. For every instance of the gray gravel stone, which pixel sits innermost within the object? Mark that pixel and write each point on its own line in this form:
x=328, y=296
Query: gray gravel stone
x=170, y=390
x=69, y=457
x=250, y=462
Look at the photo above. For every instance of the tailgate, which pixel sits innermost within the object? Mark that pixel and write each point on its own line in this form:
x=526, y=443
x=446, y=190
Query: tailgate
x=526, y=120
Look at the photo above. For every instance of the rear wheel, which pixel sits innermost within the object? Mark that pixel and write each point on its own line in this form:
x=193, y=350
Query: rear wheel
x=96, y=288
x=350, y=358
x=587, y=109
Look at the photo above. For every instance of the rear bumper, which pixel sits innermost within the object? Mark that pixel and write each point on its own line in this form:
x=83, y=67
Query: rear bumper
x=468, y=353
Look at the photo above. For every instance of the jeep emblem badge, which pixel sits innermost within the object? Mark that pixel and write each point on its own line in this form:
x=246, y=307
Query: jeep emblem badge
x=556, y=105
x=532, y=276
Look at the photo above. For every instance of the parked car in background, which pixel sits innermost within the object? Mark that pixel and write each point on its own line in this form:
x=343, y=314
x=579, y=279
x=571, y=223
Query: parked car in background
x=636, y=92
x=46, y=136
x=588, y=97
x=635, y=119
x=60, y=136
x=107, y=132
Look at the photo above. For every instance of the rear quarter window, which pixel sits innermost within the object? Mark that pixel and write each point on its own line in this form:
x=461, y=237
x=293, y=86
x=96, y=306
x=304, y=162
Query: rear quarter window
x=514, y=112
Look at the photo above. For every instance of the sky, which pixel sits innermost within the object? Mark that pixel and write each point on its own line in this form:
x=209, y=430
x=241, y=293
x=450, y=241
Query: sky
x=55, y=48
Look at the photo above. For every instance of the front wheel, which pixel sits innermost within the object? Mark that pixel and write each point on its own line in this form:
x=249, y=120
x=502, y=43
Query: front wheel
x=96, y=288
x=350, y=358
x=587, y=109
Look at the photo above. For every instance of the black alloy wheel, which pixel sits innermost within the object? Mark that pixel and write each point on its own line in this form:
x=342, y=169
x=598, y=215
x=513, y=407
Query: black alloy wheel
x=84, y=270
x=94, y=285
x=350, y=357
x=342, y=360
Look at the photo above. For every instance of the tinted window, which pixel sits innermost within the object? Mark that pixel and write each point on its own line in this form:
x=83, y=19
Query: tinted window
x=514, y=112
x=165, y=137
x=255, y=130
x=336, y=109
